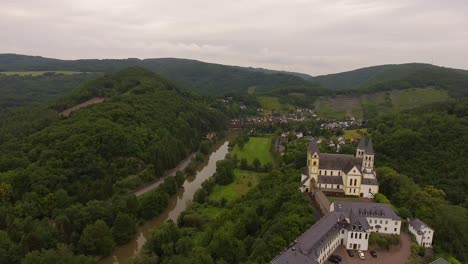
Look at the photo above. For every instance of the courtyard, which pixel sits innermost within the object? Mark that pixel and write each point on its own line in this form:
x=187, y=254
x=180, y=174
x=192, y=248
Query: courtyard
x=393, y=256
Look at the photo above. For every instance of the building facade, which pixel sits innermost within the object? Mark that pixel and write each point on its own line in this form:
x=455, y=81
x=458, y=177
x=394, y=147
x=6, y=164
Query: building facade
x=341, y=174
x=421, y=231
x=349, y=224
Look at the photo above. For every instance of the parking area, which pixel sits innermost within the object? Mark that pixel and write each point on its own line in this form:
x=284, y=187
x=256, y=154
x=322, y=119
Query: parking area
x=394, y=256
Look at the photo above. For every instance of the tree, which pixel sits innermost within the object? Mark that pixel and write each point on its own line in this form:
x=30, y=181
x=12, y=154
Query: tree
x=257, y=164
x=61, y=255
x=124, y=228
x=96, y=239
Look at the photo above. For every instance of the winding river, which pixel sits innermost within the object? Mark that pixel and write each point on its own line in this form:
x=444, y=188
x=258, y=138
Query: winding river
x=177, y=204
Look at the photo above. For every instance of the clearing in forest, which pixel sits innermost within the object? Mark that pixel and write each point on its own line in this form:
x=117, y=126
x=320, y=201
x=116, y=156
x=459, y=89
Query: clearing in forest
x=243, y=182
x=256, y=147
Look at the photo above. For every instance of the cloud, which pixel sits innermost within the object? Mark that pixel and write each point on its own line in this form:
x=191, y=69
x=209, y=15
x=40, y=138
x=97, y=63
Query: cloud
x=312, y=36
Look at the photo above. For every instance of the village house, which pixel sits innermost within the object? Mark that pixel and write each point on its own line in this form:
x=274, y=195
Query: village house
x=341, y=174
x=421, y=231
x=349, y=224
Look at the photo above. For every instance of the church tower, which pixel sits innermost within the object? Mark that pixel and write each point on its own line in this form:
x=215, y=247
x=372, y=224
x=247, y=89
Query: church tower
x=313, y=161
x=368, y=157
x=361, y=147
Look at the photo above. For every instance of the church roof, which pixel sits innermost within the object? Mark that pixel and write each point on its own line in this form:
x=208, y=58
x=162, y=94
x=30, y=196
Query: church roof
x=369, y=148
x=342, y=162
x=369, y=181
x=330, y=179
x=362, y=143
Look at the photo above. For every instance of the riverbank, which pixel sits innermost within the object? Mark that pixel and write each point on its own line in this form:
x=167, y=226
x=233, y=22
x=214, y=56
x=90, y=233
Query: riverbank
x=177, y=203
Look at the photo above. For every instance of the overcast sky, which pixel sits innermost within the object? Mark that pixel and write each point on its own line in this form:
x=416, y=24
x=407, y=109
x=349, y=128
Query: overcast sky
x=311, y=36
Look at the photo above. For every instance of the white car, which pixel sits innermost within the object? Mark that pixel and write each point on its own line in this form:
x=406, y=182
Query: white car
x=361, y=254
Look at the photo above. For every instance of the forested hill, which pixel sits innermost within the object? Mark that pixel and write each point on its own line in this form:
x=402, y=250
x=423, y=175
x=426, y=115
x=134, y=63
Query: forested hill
x=196, y=75
x=398, y=76
x=61, y=178
x=428, y=144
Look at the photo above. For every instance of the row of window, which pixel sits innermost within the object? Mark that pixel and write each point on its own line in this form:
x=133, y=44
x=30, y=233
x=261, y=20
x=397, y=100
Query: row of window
x=352, y=182
x=381, y=221
x=357, y=235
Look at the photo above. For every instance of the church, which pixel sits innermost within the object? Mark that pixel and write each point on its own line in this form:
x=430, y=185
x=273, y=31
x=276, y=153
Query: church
x=341, y=174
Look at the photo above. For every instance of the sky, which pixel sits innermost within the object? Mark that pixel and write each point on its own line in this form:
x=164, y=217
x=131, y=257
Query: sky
x=310, y=36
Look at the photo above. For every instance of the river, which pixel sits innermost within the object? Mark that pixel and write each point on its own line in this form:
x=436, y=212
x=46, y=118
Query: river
x=177, y=204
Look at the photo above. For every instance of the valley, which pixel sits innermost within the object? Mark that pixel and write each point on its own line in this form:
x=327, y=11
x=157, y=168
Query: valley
x=158, y=158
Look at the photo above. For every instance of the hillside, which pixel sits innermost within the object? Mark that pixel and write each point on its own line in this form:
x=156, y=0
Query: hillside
x=399, y=76
x=196, y=75
x=23, y=90
x=63, y=178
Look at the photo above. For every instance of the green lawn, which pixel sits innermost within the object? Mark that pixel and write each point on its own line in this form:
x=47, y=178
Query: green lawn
x=257, y=147
x=354, y=133
x=36, y=73
x=243, y=182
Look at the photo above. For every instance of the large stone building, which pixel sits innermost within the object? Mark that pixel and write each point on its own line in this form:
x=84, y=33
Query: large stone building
x=341, y=174
x=348, y=224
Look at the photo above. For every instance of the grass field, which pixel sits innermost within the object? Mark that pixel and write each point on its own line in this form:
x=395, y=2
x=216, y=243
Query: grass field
x=36, y=73
x=271, y=103
x=243, y=182
x=257, y=147
x=354, y=133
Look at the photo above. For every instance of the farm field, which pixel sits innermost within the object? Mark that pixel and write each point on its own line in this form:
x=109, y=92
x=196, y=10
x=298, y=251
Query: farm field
x=256, y=147
x=340, y=107
x=37, y=73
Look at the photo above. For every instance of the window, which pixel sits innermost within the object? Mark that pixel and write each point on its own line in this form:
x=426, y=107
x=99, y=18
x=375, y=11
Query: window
x=396, y=223
x=386, y=222
x=395, y=229
x=380, y=221
x=342, y=231
x=385, y=229
x=315, y=163
x=367, y=235
x=350, y=245
x=360, y=235
x=352, y=235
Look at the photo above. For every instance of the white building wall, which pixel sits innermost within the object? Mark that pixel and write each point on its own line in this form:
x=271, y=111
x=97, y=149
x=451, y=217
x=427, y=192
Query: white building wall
x=372, y=188
x=357, y=240
x=388, y=225
x=328, y=249
x=425, y=239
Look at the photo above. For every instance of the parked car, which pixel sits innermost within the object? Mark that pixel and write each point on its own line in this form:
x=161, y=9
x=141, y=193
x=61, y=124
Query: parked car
x=361, y=254
x=350, y=253
x=338, y=257
x=373, y=253
x=333, y=260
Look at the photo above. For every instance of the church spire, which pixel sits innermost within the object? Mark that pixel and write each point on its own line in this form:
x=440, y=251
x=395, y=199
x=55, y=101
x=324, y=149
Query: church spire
x=369, y=148
x=361, y=147
x=362, y=143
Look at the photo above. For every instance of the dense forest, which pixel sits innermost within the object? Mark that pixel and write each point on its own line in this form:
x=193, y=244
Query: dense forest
x=428, y=144
x=195, y=75
x=20, y=90
x=425, y=150
x=63, y=180
x=252, y=229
